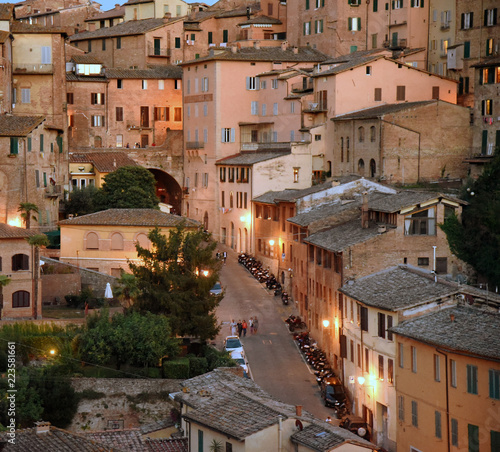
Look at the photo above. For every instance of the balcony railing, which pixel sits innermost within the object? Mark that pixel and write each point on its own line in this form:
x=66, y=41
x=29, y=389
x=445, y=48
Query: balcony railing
x=264, y=146
x=53, y=191
x=396, y=44
x=158, y=51
x=33, y=68
x=195, y=144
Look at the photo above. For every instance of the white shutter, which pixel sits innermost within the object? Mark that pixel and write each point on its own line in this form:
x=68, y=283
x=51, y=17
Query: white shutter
x=232, y=135
x=46, y=55
x=222, y=135
x=248, y=82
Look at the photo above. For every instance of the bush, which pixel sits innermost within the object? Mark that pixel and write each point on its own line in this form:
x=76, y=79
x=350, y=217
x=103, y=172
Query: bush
x=178, y=369
x=197, y=366
x=217, y=358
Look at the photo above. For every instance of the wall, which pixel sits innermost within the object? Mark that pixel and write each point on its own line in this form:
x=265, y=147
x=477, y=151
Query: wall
x=55, y=287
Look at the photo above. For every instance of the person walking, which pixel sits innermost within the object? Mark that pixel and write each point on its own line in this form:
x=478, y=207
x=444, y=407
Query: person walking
x=239, y=325
x=244, y=326
x=250, y=323
x=224, y=257
x=255, y=324
x=233, y=325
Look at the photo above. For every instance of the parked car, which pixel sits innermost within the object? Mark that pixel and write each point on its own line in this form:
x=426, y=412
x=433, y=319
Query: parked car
x=240, y=359
x=332, y=392
x=233, y=344
x=216, y=289
x=356, y=425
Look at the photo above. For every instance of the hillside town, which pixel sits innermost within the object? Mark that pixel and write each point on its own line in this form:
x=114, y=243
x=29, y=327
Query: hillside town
x=344, y=153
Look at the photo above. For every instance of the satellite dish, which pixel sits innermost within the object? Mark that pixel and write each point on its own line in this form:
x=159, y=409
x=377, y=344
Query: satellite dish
x=298, y=424
x=361, y=431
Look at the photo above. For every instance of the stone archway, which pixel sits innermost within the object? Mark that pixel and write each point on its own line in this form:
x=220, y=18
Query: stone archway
x=373, y=168
x=168, y=190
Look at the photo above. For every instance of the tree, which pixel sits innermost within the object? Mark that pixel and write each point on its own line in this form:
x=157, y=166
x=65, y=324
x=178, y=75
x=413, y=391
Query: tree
x=128, y=187
x=37, y=241
x=172, y=282
x=81, y=201
x=27, y=209
x=476, y=239
x=127, y=290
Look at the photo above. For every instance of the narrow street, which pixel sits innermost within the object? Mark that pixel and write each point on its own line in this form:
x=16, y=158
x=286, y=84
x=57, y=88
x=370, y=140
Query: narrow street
x=275, y=361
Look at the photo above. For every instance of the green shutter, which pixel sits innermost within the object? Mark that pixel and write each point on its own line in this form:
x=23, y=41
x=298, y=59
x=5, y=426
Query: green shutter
x=307, y=4
x=44, y=179
x=29, y=144
x=210, y=37
x=495, y=440
x=41, y=142
x=473, y=431
x=400, y=3
x=467, y=49
x=14, y=145
x=494, y=374
x=484, y=145
x=413, y=3
x=349, y=23
x=359, y=23
x=375, y=6
x=59, y=141
x=422, y=4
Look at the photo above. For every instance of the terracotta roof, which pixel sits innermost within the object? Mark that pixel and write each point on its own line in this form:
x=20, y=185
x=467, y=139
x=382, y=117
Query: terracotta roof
x=470, y=330
x=382, y=110
x=250, y=158
x=129, y=440
x=261, y=20
x=303, y=54
x=353, y=56
x=158, y=425
x=18, y=126
x=56, y=440
x=6, y=11
x=23, y=27
x=407, y=199
x=13, y=232
x=349, y=64
x=166, y=444
x=112, y=13
x=85, y=59
x=135, y=2
x=129, y=28
x=153, y=72
x=239, y=11
x=131, y=217
x=104, y=162
x=397, y=288
x=3, y=36
x=495, y=61
x=72, y=77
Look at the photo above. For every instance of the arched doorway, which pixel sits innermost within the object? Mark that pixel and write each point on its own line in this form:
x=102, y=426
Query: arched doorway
x=168, y=190
x=361, y=167
x=373, y=168
x=205, y=221
x=233, y=238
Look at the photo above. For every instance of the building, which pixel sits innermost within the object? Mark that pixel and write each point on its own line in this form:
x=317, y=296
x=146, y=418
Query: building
x=231, y=410
x=444, y=56
x=448, y=377
x=105, y=241
x=21, y=298
x=154, y=9
x=104, y=19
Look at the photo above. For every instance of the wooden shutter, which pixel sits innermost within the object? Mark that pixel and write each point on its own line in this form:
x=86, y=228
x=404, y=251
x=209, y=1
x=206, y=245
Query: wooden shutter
x=364, y=318
x=343, y=346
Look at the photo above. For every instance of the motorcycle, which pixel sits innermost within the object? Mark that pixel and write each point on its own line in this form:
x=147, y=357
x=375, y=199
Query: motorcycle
x=284, y=298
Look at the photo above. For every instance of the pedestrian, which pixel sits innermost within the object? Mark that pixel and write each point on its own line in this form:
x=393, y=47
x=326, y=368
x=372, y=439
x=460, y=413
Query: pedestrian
x=328, y=419
x=255, y=325
x=217, y=256
x=233, y=325
x=244, y=327
x=224, y=257
x=239, y=325
x=250, y=323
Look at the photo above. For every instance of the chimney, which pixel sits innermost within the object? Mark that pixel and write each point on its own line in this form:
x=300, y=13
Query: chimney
x=295, y=50
x=284, y=45
x=364, y=211
x=234, y=49
x=298, y=410
x=452, y=317
x=114, y=163
x=248, y=12
x=256, y=45
x=167, y=15
x=42, y=427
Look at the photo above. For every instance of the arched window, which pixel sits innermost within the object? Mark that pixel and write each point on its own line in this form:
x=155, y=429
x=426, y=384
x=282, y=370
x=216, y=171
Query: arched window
x=143, y=241
x=92, y=241
x=116, y=241
x=361, y=134
x=361, y=167
x=21, y=299
x=373, y=168
x=97, y=142
x=20, y=262
x=373, y=134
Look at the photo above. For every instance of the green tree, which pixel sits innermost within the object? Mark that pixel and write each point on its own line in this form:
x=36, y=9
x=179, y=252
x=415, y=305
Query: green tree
x=128, y=187
x=172, y=282
x=476, y=239
x=27, y=210
x=81, y=201
x=126, y=290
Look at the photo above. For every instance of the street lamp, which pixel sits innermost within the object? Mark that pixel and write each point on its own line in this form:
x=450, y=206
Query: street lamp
x=326, y=323
x=271, y=242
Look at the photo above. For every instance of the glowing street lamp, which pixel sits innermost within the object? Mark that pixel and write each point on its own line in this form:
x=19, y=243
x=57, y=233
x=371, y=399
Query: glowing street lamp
x=326, y=323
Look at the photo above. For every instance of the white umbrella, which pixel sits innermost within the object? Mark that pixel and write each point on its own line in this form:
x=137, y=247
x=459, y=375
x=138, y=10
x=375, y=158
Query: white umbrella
x=108, y=293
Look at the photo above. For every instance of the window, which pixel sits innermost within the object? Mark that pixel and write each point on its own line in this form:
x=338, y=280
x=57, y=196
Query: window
x=364, y=318
x=471, y=379
x=435, y=92
x=390, y=371
x=42, y=147
x=380, y=367
x=453, y=373
x=307, y=5
x=14, y=145
x=421, y=223
x=367, y=360
x=69, y=98
x=489, y=46
x=467, y=20
x=21, y=299
x=227, y=135
x=178, y=10
x=275, y=109
x=119, y=84
x=381, y=325
x=378, y=94
x=252, y=83
x=254, y=108
x=144, y=84
x=417, y=3
x=162, y=114
x=177, y=114
x=414, y=413
x=414, y=359
x=274, y=83
x=97, y=121
x=296, y=175
x=401, y=408
x=200, y=441
x=437, y=424
x=117, y=241
x=229, y=446
x=225, y=36
x=401, y=356
x=25, y=95
x=20, y=262
x=204, y=84
x=321, y=3
x=487, y=107
x=473, y=437
x=97, y=98
x=397, y=4
x=318, y=26
x=490, y=17
x=354, y=23
x=437, y=368
x=119, y=42
x=400, y=92
x=177, y=43
x=494, y=378
x=119, y=113
x=306, y=28
x=454, y=432
x=92, y=241
x=361, y=134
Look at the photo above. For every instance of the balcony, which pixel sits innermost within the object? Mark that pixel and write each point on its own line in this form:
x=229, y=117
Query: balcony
x=53, y=191
x=396, y=44
x=158, y=51
x=266, y=146
x=33, y=68
x=445, y=26
x=315, y=107
x=195, y=144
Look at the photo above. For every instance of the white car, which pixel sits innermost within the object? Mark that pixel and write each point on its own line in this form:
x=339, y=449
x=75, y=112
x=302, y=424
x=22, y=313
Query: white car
x=240, y=359
x=233, y=344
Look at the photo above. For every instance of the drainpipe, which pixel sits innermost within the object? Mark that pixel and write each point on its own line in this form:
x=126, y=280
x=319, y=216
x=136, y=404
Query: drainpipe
x=280, y=432
x=447, y=400
x=434, y=259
